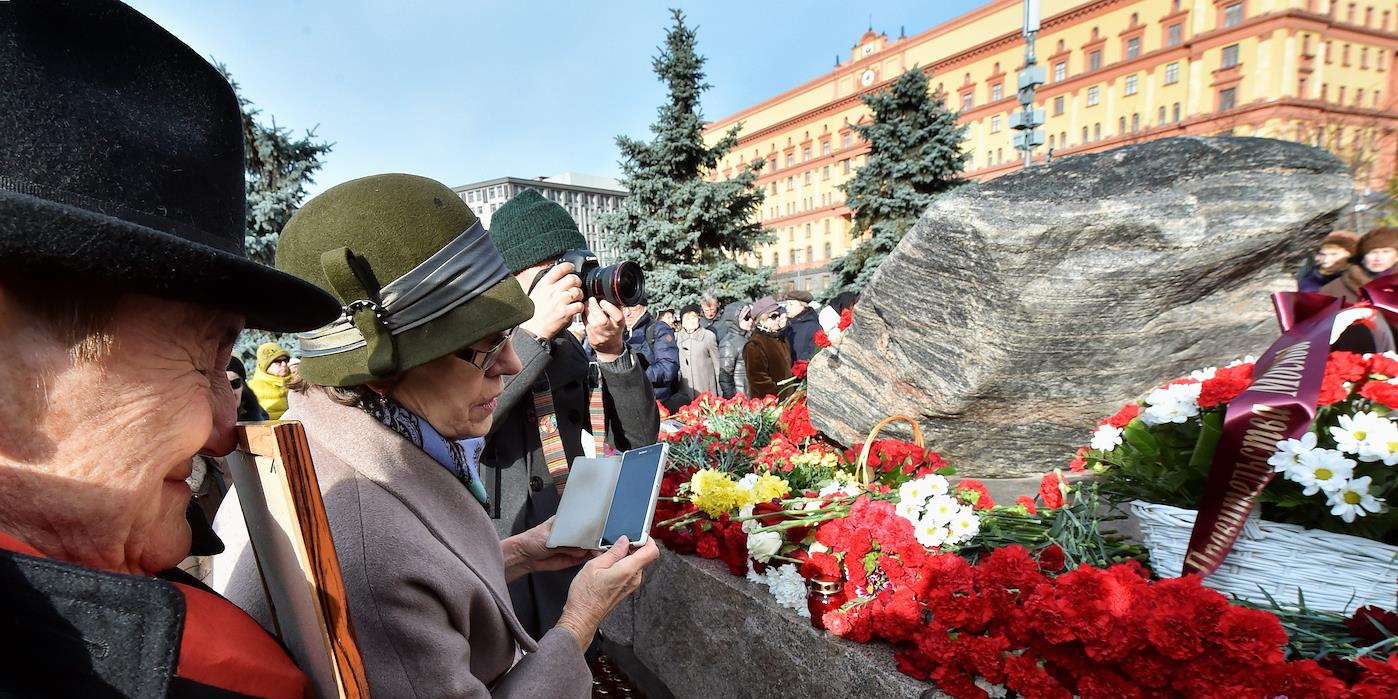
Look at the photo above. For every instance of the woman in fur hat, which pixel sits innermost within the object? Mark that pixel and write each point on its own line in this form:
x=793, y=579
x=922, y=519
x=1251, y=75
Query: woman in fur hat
x=395, y=397
x=767, y=354
x=1377, y=257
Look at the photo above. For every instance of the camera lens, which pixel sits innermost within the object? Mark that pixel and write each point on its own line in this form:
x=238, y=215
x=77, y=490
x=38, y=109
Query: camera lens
x=622, y=284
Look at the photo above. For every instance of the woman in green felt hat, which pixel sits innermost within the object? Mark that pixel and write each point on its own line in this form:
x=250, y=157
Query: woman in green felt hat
x=395, y=396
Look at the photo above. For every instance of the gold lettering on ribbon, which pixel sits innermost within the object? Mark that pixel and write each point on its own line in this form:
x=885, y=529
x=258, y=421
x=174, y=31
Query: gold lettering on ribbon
x=1250, y=473
x=1284, y=376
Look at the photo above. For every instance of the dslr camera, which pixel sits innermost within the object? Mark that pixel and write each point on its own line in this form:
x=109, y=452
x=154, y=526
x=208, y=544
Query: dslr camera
x=622, y=284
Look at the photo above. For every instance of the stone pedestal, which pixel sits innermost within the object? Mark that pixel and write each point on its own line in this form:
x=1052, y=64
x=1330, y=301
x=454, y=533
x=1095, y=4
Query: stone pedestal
x=704, y=633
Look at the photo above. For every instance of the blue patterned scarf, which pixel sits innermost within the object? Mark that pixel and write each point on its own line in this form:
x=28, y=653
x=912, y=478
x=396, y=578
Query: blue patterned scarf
x=459, y=457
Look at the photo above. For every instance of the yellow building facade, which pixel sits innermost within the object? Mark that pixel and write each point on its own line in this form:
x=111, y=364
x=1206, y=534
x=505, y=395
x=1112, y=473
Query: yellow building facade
x=1322, y=72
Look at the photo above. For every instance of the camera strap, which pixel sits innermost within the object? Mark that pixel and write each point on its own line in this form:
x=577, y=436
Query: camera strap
x=551, y=438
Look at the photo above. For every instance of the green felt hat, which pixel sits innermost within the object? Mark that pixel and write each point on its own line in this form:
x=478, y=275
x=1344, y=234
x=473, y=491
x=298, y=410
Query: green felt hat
x=529, y=229
x=415, y=273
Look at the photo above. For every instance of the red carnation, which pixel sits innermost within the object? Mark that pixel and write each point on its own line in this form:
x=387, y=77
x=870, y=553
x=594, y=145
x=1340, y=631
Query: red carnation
x=821, y=339
x=1380, y=392
x=1079, y=462
x=1226, y=384
x=1052, y=558
x=1372, y=625
x=1124, y=416
x=1051, y=490
x=1383, y=365
x=974, y=492
x=799, y=368
x=846, y=319
x=1028, y=504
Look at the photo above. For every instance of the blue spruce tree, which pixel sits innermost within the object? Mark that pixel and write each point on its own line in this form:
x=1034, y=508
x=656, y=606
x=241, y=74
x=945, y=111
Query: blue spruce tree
x=687, y=231
x=914, y=155
x=280, y=165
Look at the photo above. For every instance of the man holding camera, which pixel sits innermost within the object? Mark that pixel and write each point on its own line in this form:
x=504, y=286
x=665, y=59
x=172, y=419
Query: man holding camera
x=562, y=404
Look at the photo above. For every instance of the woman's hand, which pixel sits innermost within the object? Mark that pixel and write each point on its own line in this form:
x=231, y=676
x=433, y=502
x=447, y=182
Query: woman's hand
x=602, y=584
x=528, y=552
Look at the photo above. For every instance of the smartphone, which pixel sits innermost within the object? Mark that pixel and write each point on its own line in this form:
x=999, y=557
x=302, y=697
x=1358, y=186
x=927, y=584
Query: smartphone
x=633, y=502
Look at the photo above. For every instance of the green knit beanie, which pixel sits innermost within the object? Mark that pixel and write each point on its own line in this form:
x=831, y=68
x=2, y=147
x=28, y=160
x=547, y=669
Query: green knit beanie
x=529, y=229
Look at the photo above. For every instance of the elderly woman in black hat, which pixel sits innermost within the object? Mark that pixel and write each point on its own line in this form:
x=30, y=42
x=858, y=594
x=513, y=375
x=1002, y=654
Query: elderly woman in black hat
x=395, y=397
x=123, y=284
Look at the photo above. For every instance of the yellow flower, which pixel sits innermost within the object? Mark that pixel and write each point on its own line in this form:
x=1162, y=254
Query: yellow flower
x=769, y=487
x=715, y=493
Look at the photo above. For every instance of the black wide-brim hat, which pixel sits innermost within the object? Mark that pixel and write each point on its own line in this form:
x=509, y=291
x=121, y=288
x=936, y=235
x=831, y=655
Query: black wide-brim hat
x=121, y=164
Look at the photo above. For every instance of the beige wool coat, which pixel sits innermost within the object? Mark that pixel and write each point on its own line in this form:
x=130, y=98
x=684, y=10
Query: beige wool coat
x=422, y=568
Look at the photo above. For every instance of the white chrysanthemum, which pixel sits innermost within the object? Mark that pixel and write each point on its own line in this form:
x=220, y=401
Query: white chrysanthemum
x=1106, y=438
x=1175, y=403
x=763, y=545
x=1355, y=429
x=1249, y=359
x=1381, y=444
x=910, y=510
x=1289, y=452
x=964, y=526
x=752, y=576
x=788, y=588
x=1353, y=500
x=749, y=525
x=915, y=492
x=748, y=482
x=940, y=509
x=936, y=485
x=930, y=534
x=1322, y=469
x=1204, y=374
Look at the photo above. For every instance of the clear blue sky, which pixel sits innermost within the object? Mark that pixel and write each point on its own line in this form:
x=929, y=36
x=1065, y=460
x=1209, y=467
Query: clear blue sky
x=466, y=91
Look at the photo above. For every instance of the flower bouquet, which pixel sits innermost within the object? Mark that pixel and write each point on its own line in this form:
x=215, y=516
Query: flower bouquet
x=1325, y=509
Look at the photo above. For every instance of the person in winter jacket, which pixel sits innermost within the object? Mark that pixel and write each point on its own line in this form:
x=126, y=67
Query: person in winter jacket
x=654, y=343
x=732, y=369
x=268, y=383
x=767, y=355
x=801, y=325
x=699, y=363
x=1329, y=262
x=532, y=233
x=1377, y=257
x=709, y=315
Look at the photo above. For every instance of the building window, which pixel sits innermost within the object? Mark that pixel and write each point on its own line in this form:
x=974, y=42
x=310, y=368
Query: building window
x=1160, y=118
x=810, y=176
x=825, y=173
x=1094, y=95
x=1230, y=55
x=808, y=230
x=790, y=159
x=1364, y=58
x=1133, y=48
x=1084, y=134
x=845, y=165
x=1121, y=125
x=1131, y=81
x=967, y=101
x=997, y=92
x=827, y=243
x=825, y=148
x=1233, y=15
x=1341, y=98
x=1329, y=52
x=1135, y=122
x=1094, y=60
x=1227, y=98
x=1097, y=131
x=1172, y=73
x=792, y=256
x=1060, y=71
x=790, y=183
x=1050, y=141
x=846, y=139
x=805, y=154
x=1344, y=55
x=1174, y=34
x=1058, y=105
x=995, y=124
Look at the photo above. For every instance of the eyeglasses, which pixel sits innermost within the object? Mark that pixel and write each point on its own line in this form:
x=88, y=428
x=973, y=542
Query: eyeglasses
x=484, y=359
x=236, y=382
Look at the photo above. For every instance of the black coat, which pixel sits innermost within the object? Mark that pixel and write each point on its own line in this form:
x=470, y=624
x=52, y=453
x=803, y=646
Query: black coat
x=800, y=333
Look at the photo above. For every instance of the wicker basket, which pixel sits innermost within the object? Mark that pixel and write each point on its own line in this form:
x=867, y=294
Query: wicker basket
x=1331, y=572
